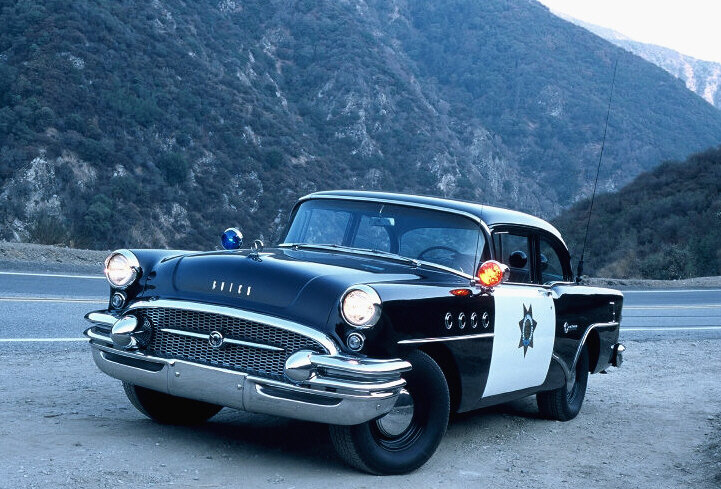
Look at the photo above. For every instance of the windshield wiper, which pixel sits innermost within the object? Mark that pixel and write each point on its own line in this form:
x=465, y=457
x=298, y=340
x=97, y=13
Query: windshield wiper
x=351, y=249
x=368, y=252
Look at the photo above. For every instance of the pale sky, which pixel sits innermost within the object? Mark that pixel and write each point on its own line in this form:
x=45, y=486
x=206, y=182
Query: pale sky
x=691, y=27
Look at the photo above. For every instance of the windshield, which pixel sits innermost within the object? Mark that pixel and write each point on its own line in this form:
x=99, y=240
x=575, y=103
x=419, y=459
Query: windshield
x=438, y=237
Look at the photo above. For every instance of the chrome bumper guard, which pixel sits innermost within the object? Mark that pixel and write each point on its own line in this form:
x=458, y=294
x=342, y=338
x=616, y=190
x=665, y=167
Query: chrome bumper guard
x=333, y=389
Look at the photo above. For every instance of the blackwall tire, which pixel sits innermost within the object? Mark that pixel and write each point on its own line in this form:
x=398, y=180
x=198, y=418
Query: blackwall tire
x=564, y=404
x=168, y=409
x=367, y=448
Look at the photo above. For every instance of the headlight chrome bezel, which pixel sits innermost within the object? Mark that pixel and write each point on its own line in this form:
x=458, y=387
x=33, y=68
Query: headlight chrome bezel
x=133, y=264
x=374, y=300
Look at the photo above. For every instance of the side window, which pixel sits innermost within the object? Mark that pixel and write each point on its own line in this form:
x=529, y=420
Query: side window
x=371, y=237
x=550, y=263
x=450, y=247
x=514, y=250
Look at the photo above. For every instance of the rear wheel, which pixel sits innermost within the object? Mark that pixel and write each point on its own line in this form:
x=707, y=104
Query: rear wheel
x=406, y=437
x=565, y=402
x=168, y=409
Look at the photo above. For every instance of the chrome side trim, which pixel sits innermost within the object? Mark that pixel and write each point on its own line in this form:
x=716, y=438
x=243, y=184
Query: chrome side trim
x=294, y=327
x=613, y=324
x=230, y=341
x=446, y=338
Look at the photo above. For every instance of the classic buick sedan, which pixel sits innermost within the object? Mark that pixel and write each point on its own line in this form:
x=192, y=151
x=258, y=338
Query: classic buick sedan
x=378, y=314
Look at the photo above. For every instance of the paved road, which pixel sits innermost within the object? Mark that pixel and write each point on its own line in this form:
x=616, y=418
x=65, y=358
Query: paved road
x=50, y=306
x=652, y=314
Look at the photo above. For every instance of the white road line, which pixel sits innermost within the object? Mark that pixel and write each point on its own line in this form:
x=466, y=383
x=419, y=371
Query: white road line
x=695, y=306
x=668, y=291
x=52, y=299
x=56, y=275
x=40, y=340
x=676, y=328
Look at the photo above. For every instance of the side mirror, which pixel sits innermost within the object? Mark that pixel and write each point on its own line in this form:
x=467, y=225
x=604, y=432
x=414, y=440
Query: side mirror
x=492, y=273
x=518, y=259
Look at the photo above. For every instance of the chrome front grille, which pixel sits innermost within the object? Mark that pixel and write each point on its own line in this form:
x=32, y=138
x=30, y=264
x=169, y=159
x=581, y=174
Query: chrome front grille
x=259, y=361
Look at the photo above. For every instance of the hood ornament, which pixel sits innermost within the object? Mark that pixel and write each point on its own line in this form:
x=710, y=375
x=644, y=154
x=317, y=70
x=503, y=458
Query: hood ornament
x=255, y=249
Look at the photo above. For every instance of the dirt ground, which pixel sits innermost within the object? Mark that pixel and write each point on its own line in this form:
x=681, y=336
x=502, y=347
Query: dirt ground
x=655, y=423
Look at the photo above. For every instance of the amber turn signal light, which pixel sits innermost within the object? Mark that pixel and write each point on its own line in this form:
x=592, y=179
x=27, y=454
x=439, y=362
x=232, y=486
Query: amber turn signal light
x=492, y=273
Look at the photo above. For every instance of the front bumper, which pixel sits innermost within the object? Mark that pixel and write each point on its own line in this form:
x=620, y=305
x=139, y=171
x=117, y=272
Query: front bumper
x=333, y=389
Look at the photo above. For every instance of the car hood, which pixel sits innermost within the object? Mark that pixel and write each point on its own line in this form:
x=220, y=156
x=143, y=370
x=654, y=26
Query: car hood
x=299, y=285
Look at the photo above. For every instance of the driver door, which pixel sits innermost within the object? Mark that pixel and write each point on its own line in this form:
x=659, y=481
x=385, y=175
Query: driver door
x=525, y=319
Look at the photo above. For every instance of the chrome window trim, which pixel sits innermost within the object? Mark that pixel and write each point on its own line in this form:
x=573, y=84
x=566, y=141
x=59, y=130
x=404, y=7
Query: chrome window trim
x=285, y=324
x=446, y=338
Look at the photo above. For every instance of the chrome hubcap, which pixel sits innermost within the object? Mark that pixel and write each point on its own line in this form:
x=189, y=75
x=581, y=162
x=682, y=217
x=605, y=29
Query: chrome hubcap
x=399, y=418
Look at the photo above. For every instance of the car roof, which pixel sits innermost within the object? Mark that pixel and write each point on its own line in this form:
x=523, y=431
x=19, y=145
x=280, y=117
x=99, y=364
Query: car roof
x=491, y=216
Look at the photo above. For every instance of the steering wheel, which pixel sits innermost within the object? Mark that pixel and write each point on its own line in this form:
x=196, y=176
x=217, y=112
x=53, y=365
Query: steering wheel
x=433, y=248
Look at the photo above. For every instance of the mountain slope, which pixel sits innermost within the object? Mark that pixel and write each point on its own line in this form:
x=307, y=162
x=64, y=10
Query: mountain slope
x=159, y=123
x=665, y=224
x=701, y=77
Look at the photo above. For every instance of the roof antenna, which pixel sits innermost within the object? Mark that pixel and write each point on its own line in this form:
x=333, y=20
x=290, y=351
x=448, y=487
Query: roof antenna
x=579, y=270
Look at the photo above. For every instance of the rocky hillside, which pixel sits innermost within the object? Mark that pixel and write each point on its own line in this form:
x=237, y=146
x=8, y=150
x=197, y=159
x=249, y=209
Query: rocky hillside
x=158, y=123
x=701, y=77
x=665, y=224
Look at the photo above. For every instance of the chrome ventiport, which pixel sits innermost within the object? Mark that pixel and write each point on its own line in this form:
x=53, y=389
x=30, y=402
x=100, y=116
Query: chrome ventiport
x=485, y=320
x=449, y=320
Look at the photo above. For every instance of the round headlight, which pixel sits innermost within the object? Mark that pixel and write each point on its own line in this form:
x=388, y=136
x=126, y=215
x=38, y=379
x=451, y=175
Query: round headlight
x=361, y=306
x=121, y=268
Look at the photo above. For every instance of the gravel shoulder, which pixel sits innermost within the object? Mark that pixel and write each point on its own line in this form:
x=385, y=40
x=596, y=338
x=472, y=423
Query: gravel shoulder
x=22, y=257
x=655, y=423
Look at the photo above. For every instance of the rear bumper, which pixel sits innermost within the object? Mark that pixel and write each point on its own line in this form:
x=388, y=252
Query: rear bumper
x=333, y=389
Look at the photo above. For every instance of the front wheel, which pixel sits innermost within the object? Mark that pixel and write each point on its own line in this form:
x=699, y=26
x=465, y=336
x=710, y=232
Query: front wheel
x=564, y=403
x=168, y=409
x=406, y=437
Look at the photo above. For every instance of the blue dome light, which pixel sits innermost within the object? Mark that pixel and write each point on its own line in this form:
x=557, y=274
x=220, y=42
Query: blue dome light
x=231, y=239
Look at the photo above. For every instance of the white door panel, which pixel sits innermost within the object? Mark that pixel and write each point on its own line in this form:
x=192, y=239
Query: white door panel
x=525, y=326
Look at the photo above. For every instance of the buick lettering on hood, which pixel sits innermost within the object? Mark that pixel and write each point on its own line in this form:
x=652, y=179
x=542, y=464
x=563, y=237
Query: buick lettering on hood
x=378, y=314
